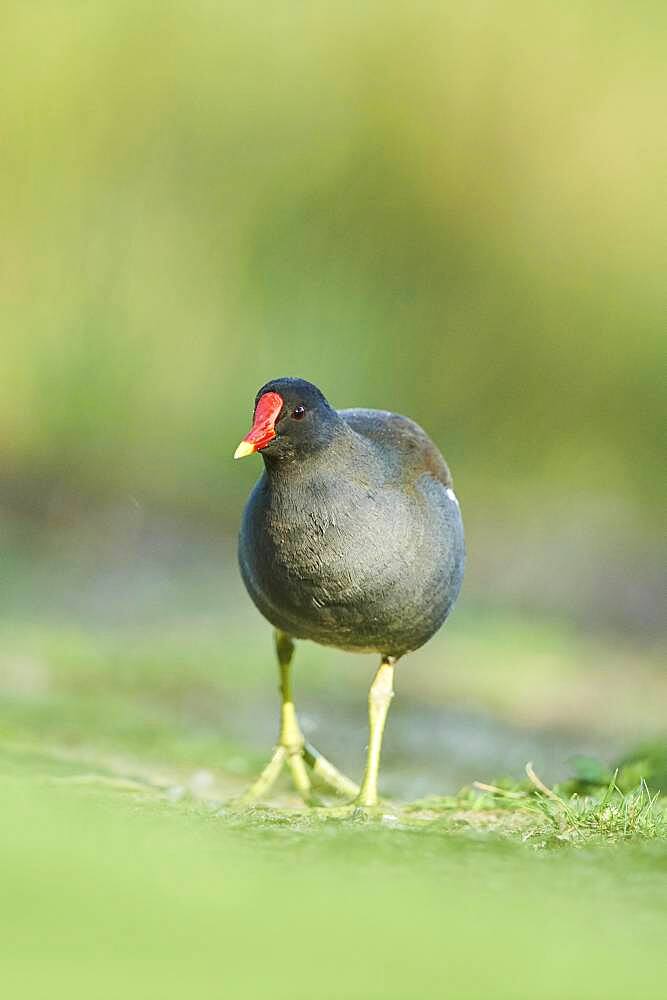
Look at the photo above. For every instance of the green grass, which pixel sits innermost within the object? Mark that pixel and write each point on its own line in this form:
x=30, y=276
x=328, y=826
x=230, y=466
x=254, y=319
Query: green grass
x=546, y=817
x=116, y=891
x=123, y=871
x=150, y=704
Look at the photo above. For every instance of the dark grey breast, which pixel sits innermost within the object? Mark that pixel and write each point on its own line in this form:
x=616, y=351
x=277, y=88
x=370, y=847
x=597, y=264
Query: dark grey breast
x=360, y=547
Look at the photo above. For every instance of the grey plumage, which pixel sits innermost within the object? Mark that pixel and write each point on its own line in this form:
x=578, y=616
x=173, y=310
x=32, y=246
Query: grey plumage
x=352, y=537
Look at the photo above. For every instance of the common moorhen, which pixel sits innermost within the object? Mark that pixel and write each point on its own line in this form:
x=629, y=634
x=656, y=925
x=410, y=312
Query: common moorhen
x=352, y=537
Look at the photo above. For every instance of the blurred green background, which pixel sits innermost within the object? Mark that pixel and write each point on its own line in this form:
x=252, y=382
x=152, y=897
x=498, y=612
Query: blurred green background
x=453, y=211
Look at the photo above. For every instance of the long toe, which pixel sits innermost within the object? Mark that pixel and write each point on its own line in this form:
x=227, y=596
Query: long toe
x=328, y=774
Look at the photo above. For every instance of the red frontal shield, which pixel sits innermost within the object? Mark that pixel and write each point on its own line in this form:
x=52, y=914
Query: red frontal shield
x=263, y=426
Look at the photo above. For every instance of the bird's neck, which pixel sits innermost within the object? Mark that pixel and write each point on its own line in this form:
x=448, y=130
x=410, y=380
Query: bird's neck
x=341, y=457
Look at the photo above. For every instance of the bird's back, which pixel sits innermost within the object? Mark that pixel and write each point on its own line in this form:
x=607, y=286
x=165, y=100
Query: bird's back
x=407, y=449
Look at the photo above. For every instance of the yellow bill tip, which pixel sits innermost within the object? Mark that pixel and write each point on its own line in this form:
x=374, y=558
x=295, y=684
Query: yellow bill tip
x=245, y=448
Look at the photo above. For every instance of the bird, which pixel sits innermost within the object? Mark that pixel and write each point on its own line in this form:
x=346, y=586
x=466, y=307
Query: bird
x=353, y=538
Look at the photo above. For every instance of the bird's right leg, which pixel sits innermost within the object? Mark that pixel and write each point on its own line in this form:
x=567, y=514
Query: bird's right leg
x=291, y=748
x=291, y=737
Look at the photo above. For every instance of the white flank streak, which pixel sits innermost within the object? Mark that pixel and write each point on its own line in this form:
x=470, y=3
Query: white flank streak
x=452, y=495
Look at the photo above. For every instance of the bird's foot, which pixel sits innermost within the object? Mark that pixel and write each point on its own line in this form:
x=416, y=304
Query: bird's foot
x=327, y=774
x=298, y=756
x=358, y=812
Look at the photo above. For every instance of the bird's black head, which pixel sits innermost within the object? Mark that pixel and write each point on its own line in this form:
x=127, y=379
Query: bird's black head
x=291, y=421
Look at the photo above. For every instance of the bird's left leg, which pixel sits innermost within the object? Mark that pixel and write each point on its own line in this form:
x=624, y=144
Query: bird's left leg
x=365, y=803
x=379, y=700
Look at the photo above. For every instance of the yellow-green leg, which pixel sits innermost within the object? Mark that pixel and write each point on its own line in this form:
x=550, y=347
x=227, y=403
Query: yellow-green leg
x=291, y=737
x=292, y=749
x=379, y=700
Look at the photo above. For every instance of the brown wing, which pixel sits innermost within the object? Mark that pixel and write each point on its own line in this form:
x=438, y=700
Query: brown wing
x=408, y=449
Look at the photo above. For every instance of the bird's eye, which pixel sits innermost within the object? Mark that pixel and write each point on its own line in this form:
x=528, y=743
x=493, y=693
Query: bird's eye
x=298, y=412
